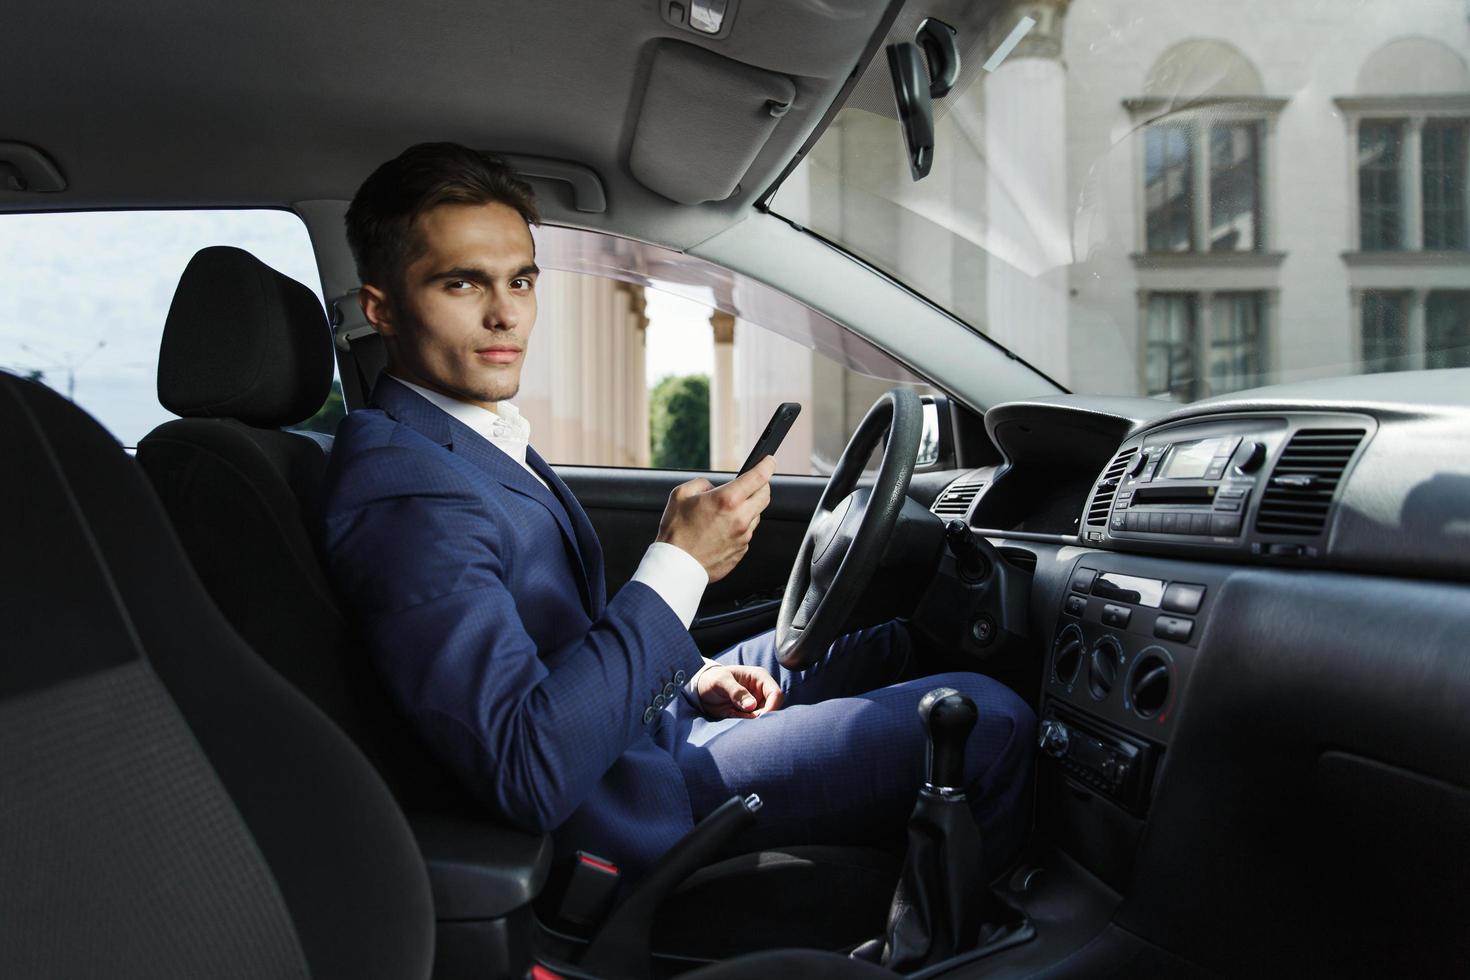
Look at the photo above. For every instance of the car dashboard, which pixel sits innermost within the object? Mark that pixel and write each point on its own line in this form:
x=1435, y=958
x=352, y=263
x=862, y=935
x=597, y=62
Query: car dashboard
x=1251, y=614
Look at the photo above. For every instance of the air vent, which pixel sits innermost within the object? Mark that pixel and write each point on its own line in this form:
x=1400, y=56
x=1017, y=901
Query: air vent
x=956, y=499
x=1107, y=488
x=1300, y=490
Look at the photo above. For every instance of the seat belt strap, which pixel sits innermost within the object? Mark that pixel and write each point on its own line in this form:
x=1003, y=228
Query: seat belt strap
x=358, y=346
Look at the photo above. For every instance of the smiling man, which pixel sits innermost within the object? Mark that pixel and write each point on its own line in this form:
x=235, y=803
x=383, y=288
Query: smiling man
x=479, y=582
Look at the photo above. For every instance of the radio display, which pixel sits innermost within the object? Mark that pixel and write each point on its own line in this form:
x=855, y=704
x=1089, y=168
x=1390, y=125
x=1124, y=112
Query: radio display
x=1190, y=460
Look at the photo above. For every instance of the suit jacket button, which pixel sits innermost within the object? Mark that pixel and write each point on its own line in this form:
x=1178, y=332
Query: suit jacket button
x=669, y=690
x=680, y=677
x=659, y=702
x=648, y=715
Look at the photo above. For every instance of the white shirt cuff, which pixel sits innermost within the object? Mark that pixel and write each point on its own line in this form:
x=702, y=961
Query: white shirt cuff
x=691, y=691
x=677, y=577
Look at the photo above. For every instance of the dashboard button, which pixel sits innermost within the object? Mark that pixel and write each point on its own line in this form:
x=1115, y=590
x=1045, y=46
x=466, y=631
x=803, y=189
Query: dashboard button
x=1171, y=523
x=1116, y=615
x=1252, y=458
x=1173, y=628
x=1216, y=469
x=1156, y=521
x=1224, y=525
x=1233, y=491
x=1082, y=579
x=1119, y=522
x=1228, y=505
x=1199, y=524
x=1182, y=597
x=1076, y=606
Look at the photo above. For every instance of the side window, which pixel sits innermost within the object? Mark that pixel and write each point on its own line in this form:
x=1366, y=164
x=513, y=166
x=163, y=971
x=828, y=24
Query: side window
x=623, y=374
x=83, y=299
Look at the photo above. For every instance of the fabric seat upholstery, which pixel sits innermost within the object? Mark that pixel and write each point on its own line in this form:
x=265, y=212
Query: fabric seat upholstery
x=169, y=807
x=245, y=352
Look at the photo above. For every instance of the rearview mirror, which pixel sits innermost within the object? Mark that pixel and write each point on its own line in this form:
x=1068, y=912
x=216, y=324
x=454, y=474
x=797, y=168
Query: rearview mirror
x=915, y=111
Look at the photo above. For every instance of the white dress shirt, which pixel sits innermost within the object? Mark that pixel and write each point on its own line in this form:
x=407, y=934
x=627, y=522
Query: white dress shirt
x=673, y=573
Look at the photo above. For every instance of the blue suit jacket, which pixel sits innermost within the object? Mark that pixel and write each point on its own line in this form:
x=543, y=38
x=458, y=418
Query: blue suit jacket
x=482, y=598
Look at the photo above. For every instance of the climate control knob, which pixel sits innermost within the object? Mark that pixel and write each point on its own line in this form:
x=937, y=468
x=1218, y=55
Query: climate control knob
x=1054, y=738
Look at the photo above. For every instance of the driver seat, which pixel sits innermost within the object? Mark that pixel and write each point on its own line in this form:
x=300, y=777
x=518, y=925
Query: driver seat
x=169, y=806
x=245, y=351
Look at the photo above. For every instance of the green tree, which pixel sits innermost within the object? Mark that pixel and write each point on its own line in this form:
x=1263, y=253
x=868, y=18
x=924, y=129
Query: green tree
x=333, y=410
x=679, y=422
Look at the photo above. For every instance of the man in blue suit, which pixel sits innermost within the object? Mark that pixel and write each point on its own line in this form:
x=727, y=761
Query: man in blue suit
x=479, y=582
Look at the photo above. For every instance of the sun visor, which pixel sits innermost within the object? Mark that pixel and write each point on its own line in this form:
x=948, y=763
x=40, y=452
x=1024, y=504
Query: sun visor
x=704, y=120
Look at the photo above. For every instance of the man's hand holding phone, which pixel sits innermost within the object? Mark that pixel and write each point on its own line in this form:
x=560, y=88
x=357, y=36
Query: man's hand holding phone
x=715, y=524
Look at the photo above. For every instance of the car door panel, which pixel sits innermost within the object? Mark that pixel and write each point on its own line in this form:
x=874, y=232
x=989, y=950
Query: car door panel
x=625, y=505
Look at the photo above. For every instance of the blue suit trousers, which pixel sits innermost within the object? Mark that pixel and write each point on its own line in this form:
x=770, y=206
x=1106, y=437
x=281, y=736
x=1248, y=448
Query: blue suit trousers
x=842, y=761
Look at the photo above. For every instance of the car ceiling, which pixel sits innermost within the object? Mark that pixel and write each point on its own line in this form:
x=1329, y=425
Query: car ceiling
x=164, y=103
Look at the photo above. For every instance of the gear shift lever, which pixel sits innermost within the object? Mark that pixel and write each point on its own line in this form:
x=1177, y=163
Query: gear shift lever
x=941, y=900
x=949, y=717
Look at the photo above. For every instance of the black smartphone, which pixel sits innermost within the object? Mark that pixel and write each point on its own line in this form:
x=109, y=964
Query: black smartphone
x=776, y=430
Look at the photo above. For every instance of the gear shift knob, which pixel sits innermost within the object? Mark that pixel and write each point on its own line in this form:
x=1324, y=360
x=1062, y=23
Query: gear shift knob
x=949, y=717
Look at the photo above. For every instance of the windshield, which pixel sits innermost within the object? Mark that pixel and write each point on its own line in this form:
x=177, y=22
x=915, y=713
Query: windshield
x=1175, y=198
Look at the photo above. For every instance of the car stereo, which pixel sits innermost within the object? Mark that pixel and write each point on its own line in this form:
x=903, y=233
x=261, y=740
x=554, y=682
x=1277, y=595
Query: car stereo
x=1196, y=487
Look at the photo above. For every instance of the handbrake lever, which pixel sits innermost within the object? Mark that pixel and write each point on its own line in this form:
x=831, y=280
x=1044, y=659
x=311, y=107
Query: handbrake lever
x=622, y=948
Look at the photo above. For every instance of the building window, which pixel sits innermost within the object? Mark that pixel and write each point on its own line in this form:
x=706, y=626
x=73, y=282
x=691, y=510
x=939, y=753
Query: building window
x=1201, y=344
x=1443, y=184
x=1380, y=147
x=1447, y=329
x=1413, y=178
x=1235, y=187
x=1172, y=343
x=1208, y=172
x=1237, y=356
x=1385, y=331
x=1168, y=188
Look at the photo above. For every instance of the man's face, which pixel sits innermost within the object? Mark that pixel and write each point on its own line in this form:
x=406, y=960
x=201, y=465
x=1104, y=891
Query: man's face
x=460, y=321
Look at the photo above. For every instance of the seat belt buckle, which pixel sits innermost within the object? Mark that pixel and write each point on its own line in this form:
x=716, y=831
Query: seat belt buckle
x=590, y=890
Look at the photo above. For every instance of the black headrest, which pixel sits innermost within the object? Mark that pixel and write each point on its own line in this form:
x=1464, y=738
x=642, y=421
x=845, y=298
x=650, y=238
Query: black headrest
x=244, y=342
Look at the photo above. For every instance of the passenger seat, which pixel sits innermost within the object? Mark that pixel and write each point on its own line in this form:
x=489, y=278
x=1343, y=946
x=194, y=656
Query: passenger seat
x=247, y=351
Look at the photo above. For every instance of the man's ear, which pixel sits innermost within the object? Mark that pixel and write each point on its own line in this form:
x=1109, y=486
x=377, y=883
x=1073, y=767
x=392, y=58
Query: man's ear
x=377, y=309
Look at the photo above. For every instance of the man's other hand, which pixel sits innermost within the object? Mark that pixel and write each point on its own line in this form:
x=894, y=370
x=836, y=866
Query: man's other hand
x=715, y=524
x=737, y=691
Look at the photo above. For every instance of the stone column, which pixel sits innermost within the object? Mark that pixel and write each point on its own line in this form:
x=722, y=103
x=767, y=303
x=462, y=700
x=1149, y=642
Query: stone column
x=638, y=380
x=1416, y=337
x=1411, y=185
x=723, y=423
x=630, y=390
x=1025, y=143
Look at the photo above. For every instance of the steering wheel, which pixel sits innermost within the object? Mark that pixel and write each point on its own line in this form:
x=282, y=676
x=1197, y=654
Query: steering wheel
x=850, y=530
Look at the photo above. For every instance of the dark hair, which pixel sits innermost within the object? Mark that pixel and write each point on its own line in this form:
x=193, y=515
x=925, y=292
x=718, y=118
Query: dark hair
x=380, y=221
